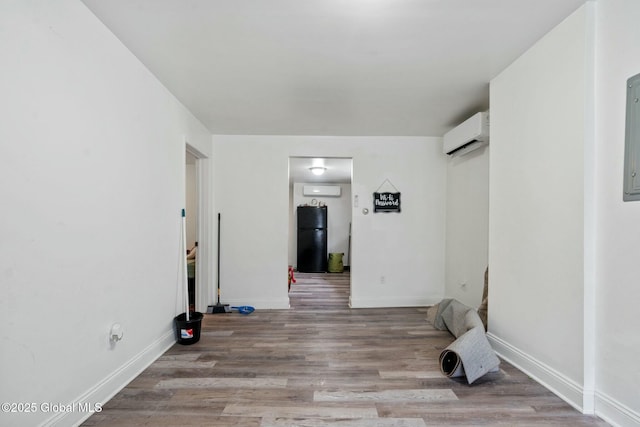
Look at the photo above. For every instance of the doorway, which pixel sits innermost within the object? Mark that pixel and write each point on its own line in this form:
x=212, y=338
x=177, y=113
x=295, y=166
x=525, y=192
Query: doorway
x=197, y=234
x=330, y=187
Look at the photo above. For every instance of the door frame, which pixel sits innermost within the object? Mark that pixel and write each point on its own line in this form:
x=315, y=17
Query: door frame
x=292, y=208
x=204, y=268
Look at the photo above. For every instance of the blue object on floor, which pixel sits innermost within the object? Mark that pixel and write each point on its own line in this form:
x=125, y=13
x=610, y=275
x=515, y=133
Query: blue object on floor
x=244, y=309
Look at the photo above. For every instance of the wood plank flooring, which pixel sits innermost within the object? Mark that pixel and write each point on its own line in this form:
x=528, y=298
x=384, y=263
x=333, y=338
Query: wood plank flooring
x=323, y=364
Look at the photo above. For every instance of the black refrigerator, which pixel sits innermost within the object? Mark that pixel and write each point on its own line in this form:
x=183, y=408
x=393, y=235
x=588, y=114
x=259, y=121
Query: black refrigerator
x=312, y=239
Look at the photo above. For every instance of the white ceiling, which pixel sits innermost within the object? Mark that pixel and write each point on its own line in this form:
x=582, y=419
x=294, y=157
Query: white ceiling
x=330, y=67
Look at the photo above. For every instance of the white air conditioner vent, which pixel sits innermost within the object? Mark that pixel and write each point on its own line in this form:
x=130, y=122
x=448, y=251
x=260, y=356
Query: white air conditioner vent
x=322, y=190
x=471, y=134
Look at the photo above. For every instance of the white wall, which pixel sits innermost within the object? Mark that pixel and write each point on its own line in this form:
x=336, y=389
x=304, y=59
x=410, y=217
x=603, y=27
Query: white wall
x=618, y=269
x=537, y=195
x=406, y=248
x=92, y=183
x=338, y=219
x=467, y=226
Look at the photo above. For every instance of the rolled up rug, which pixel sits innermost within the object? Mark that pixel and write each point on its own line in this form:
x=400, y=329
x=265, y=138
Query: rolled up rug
x=470, y=354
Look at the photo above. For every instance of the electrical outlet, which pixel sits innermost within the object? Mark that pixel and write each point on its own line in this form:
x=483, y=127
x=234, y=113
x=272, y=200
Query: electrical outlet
x=382, y=279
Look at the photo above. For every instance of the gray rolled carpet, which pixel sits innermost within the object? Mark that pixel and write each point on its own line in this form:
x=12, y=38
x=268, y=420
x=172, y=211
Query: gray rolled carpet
x=470, y=354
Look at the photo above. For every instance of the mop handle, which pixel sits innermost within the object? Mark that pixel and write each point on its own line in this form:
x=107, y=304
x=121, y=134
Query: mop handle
x=218, y=269
x=184, y=261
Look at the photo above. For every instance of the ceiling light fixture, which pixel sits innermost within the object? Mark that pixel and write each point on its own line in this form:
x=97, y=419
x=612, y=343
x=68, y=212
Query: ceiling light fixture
x=317, y=170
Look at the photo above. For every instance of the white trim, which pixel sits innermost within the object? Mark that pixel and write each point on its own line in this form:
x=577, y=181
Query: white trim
x=104, y=390
x=614, y=412
x=391, y=302
x=565, y=388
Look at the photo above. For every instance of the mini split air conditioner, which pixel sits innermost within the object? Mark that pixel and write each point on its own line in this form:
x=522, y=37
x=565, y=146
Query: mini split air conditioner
x=470, y=135
x=321, y=190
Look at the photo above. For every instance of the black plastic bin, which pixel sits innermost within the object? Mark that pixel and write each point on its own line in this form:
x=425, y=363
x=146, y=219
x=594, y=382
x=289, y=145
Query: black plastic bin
x=188, y=332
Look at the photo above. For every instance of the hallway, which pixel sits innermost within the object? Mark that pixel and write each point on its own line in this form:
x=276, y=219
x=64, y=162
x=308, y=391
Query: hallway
x=320, y=291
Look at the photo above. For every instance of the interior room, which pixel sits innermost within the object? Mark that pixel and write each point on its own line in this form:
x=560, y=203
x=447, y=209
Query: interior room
x=102, y=100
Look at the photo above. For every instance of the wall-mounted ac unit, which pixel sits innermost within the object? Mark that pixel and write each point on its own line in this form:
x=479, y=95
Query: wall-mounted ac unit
x=471, y=134
x=321, y=190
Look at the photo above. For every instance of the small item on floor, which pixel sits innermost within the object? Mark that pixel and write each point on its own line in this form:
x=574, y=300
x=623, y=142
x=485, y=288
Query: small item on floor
x=336, y=264
x=244, y=309
x=291, y=278
x=188, y=330
x=218, y=308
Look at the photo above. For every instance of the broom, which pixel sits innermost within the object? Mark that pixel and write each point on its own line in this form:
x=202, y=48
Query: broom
x=219, y=307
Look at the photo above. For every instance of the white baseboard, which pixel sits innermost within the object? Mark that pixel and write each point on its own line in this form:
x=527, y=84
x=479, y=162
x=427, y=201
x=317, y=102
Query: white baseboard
x=112, y=384
x=565, y=388
x=390, y=302
x=587, y=402
x=614, y=412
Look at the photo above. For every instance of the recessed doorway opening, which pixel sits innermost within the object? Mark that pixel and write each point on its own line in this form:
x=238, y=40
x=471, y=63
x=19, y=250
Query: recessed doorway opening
x=320, y=187
x=197, y=228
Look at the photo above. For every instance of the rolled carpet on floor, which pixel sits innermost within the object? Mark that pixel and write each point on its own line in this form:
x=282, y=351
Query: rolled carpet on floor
x=470, y=354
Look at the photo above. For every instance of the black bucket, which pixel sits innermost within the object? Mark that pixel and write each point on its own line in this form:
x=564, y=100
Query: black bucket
x=188, y=332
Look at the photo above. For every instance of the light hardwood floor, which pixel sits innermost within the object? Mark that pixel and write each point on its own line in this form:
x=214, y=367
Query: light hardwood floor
x=323, y=364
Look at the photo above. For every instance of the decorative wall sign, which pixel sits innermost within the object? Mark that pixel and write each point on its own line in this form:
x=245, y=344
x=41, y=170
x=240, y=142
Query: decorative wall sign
x=386, y=201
